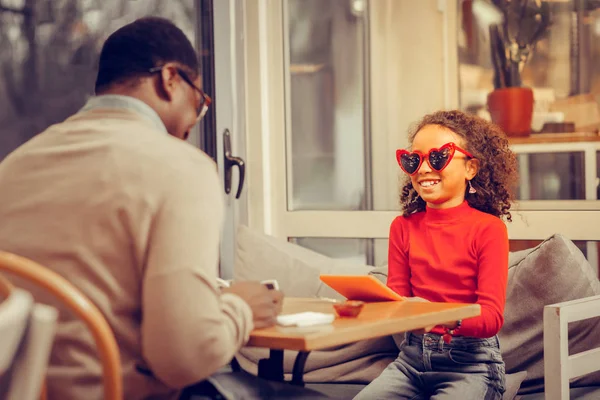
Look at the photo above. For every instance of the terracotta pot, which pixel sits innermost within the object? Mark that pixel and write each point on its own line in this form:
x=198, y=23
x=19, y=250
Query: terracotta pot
x=512, y=109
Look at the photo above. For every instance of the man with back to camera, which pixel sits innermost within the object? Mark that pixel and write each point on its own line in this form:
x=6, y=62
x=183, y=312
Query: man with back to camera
x=114, y=200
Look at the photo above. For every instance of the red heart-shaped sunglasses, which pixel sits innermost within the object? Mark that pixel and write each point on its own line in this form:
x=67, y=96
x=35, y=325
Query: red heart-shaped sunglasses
x=438, y=159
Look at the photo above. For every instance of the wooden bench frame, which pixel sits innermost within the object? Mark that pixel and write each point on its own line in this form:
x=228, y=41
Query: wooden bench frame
x=559, y=366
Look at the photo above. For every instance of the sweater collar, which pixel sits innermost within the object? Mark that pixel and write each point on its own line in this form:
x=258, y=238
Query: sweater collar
x=114, y=101
x=448, y=214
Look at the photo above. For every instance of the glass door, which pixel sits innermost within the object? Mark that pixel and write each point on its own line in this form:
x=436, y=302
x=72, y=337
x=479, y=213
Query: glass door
x=223, y=49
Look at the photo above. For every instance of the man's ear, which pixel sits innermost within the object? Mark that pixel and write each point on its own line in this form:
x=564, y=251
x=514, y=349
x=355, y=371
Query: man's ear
x=168, y=77
x=472, y=168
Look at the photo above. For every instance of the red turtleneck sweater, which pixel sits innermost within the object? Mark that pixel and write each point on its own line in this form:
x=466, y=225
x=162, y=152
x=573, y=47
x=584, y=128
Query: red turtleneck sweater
x=455, y=255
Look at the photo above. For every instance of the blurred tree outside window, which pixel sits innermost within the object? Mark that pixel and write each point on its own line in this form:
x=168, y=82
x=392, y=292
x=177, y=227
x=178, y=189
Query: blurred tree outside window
x=49, y=52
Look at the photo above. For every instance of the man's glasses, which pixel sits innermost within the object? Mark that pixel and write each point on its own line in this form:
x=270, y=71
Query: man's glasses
x=438, y=159
x=205, y=99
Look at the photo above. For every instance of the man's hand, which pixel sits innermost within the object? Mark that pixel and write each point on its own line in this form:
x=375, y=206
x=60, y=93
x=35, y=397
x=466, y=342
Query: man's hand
x=265, y=304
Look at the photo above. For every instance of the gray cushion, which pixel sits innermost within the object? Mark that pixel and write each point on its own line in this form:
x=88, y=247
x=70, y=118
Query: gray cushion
x=380, y=273
x=297, y=269
x=553, y=272
x=513, y=383
x=580, y=393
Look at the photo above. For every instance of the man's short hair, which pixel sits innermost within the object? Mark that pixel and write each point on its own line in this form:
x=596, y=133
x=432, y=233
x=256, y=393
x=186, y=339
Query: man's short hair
x=131, y=51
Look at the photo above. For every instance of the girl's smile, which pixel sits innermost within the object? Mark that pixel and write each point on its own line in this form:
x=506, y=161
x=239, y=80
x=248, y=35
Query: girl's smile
x=428, y=183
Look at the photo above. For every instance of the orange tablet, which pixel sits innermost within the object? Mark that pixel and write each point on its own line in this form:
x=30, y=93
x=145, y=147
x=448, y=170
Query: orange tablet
x=361, y=287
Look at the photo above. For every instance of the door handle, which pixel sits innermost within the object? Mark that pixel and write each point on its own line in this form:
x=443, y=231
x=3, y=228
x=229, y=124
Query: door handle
x=229, y=162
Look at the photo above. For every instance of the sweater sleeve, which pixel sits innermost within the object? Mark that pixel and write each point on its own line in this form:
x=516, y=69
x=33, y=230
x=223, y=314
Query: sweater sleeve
x=492, y=256
x=189, y=330
x=398, y=268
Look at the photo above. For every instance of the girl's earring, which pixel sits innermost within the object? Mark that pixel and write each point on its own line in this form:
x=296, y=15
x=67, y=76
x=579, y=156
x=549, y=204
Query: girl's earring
x=472, y=190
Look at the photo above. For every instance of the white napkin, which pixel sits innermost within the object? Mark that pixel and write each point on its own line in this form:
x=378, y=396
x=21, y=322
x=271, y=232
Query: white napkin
x=307, y=318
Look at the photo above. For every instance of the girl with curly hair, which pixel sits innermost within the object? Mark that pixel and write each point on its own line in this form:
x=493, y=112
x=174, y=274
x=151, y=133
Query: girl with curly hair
x=451, y=245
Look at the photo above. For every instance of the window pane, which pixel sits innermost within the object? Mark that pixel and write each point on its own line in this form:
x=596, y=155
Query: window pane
x=66, y=38
x=334, y=160
x=563, y=63
x=327, y=101
x=551, y=176
x=563, y=70
x=353, y=250
x=364, y=251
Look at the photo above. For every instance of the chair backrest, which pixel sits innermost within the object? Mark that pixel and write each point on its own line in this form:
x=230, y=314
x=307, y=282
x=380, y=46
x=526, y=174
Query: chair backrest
x=27, y=330
x=5, y=287
x=559, y=365
x=82, y=307
x=14, y=315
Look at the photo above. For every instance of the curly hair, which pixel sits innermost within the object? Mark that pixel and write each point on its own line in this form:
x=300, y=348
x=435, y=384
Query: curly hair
x=497, y=176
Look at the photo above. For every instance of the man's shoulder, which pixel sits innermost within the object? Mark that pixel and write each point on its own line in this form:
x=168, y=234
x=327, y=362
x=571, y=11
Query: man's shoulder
x=164, y=161
x=126, y=146
x=148, y=148
x=175, y=153
x=135, y=136
x=123, y=144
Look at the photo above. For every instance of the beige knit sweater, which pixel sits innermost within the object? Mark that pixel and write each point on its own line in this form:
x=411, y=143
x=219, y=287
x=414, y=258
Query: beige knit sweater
x=132, y=217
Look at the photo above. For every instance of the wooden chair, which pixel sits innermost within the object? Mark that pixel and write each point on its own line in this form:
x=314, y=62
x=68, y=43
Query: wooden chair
x=559, y=366
x=80, y=305
x=14, y=313
x=27, y=330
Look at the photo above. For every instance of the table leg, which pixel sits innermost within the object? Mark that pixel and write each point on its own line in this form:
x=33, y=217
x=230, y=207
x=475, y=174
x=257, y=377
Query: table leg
x=298, y=372
x=272, y=368
x=235, y=365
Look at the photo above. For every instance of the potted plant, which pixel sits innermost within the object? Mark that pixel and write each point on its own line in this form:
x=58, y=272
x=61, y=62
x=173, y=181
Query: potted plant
x=512, y=41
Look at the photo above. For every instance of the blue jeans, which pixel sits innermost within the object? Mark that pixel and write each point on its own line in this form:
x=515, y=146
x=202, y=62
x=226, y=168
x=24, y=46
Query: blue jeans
x=428, y=368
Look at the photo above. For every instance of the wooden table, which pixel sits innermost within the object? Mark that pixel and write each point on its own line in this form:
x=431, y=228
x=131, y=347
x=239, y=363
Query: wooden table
x=375, y=320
